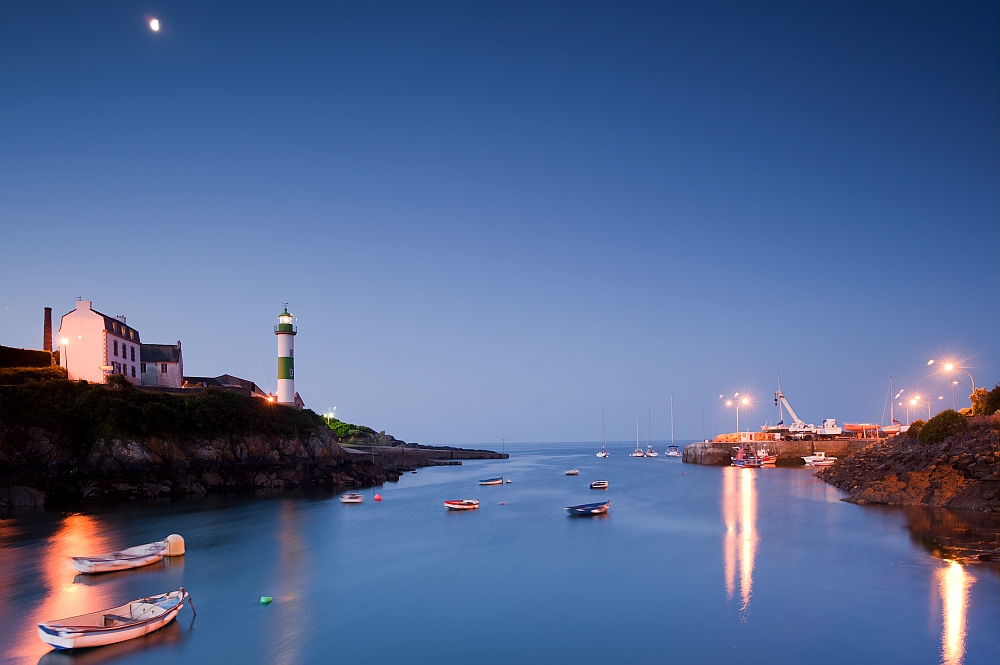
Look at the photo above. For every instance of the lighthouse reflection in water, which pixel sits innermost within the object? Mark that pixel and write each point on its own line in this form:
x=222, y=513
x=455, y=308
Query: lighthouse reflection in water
x=739, y=511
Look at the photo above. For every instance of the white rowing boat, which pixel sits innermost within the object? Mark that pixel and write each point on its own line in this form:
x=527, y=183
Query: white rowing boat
x=133, y=557
x=352, y=497
x=125, y=622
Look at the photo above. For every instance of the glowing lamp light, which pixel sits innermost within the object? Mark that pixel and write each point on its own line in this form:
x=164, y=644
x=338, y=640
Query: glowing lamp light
x=154, y=24
x=746, y=401
x=729, y=402
x=64, y=341
x=270, y=398
x=949, y=367
x=913, y=402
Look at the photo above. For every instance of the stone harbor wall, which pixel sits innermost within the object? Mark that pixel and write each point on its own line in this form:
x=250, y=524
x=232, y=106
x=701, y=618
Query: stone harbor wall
x=789, y=452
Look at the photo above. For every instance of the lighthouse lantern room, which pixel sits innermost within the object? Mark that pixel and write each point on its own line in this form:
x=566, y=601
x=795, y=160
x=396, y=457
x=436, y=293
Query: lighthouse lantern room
x=286, y=357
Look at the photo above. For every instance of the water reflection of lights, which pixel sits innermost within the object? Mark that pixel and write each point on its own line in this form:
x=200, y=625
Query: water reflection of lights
x=77, y=535
x=954, y=582
x=290, y=613
x=739, y=511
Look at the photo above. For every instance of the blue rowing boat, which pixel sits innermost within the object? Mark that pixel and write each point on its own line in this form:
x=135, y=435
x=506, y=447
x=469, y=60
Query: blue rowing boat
x=492, y=481
x=600, y=508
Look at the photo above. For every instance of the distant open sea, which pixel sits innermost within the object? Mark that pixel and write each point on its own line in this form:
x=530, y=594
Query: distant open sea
x=693, y=564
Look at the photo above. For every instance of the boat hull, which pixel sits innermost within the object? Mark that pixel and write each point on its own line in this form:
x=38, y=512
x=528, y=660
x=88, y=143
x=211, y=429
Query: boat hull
x=134, y=557
x=492, y=481
x=587, y=509
x=63, y=636
x=464, y=504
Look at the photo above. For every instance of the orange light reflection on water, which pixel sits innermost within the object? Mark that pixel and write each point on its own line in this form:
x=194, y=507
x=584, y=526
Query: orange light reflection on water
x=77, y=536
x=954, y=583
x=739, y=512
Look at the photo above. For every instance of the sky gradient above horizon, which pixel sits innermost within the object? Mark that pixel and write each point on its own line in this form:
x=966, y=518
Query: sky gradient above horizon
x=497, y=220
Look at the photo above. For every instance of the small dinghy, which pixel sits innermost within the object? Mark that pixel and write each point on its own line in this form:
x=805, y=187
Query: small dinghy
x=133, y=557
x=128, y=621
x=573, y=472
x=462, y=504
x=508, y=481
x=351, y=497
x=599, y=485
x=589, y=508
x=492, y=481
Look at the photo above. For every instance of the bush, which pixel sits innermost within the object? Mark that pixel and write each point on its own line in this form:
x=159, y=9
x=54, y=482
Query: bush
x=11, y=357
x=914, y=429
x=940, y=427
x=15, y=376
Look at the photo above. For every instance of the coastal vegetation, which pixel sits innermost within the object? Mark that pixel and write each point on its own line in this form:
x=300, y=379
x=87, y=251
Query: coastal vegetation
x=81, y=412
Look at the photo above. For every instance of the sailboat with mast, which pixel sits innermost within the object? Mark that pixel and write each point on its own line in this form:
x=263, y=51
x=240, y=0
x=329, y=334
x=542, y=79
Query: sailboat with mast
x=649, y=448
x=638, y=451
x=672, y=449
x=895, y=427
x=603, y=452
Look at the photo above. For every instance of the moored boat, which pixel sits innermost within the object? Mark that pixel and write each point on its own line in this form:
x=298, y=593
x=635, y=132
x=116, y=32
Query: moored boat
x=492, y=481
x=599, y=485
x=766, y=458
x=673, y=451
x=603, y=452
x=650, y=452
x=600, y=508
x=352, y=497
x=573, y=472
x=818, y=459
x=746, y=457
x=125, y=622
x=133, y=557
x=462, y=504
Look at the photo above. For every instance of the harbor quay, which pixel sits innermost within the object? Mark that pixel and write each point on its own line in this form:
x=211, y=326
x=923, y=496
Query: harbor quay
x=789, y=451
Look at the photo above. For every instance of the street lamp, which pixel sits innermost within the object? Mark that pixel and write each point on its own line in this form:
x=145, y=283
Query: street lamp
x=742, y=402
x=63, y=350
x=950, y=367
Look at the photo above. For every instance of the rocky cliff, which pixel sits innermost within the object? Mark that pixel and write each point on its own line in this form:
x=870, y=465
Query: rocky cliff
x=65, y=443
x=958, y=473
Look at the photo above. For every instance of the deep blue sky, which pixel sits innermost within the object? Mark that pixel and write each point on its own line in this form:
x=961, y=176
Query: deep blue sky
x=496, y=220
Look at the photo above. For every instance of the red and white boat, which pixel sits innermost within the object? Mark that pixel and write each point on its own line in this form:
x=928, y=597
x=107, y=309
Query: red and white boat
x=125, y=622
x=766, y=458
x=462, y=504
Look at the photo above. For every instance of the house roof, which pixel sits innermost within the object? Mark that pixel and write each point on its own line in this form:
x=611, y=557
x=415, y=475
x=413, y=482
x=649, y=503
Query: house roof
x=116, y=327
x=224, y=381
x=160, y=353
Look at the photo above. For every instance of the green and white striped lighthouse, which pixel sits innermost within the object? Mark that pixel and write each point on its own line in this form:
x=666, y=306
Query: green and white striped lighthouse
x=286, y=357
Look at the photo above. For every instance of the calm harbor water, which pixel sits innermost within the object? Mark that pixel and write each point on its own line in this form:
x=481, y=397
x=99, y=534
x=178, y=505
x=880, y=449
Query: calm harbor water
x=693, y=564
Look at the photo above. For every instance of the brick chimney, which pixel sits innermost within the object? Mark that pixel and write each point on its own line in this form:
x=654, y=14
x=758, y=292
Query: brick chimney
x=47, y=330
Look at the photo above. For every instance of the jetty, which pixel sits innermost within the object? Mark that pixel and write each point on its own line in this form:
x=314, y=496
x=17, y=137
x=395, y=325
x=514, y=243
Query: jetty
x=788, y=451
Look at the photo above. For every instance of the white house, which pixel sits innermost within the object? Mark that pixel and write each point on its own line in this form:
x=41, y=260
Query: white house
x=93, y=345
x=162, y=365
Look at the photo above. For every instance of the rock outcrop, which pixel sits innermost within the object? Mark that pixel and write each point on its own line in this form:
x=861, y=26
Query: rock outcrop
x=39, y=468
x=958, y=473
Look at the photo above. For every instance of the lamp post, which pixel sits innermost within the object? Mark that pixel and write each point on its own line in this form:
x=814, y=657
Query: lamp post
x=64, y=350
x=742, y=402
x=950, y=367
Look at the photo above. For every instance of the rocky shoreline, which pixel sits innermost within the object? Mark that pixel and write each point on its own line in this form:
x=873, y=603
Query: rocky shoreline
x=958, y=473
x=38, y=468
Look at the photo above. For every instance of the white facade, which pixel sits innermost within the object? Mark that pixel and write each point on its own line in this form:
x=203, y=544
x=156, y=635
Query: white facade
x=93, y=345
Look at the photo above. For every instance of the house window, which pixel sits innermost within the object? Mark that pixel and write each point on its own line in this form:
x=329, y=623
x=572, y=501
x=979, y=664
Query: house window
x=116, y=348
x=133, y=354
x=133, y=371
x=163, y=368
x=142, y=368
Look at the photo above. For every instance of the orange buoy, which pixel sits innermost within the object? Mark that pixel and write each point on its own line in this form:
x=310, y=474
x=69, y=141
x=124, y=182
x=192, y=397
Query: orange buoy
x=501, y=503
x=378, y=497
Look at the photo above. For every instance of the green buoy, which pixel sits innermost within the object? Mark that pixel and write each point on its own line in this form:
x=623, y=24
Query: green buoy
x=265, y=600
